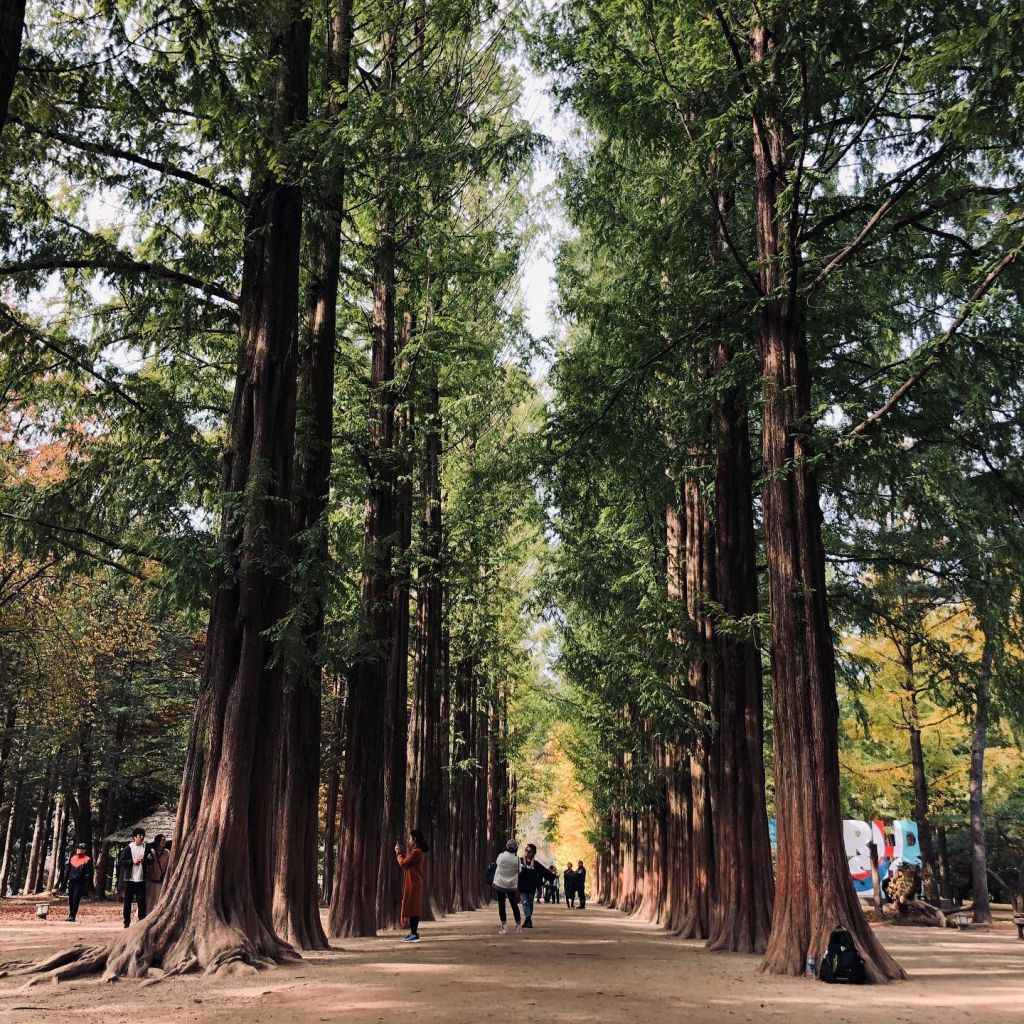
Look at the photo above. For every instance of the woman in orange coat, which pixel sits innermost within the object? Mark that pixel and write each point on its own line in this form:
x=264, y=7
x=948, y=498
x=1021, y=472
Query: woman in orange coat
x=412, y=886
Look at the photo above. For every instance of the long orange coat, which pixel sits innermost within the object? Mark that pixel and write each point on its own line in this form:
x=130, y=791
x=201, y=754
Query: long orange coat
x=412, y=886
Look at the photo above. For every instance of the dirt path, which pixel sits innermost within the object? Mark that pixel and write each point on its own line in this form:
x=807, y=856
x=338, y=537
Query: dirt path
x=595, y=965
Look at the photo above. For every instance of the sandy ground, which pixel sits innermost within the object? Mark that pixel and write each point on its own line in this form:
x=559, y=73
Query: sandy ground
x=594, y=965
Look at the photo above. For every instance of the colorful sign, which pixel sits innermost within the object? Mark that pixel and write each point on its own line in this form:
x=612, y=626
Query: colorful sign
x=900, y=846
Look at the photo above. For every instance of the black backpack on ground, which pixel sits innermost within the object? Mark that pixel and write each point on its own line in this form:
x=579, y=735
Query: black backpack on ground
x=841, y=964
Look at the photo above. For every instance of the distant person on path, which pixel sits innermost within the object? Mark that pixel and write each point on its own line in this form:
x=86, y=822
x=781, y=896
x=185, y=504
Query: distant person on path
x=506, y=884
x=412, y=885
x=79, y=879
x=581, y=885
x=156, y=870
x=569, y=884
x=131, y=869
x=532, y=875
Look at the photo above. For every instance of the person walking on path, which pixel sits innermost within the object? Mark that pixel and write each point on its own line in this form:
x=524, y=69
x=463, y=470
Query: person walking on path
x=506, y=884
x=156, y=870
x=131, y=870
x=532, y=875
x=79, y=879
x=412, y=885
x=581, y=885
x=569, y=884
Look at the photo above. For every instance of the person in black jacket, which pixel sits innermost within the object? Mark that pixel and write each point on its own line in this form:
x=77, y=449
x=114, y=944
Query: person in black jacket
x=569, y=885
x=532, y=875
x=581, y=885
x=79, y=879
x=131, y=870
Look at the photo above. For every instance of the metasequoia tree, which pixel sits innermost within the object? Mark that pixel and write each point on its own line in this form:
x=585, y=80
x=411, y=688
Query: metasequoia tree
x=217, y=911
x=296, y=892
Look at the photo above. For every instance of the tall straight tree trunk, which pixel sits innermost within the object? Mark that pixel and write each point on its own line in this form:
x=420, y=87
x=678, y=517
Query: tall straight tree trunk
x=396, y=735
x=13, y=815
x=333, y=787
x=216, y=911
x=296, y=889
x=676, y=760
x=426, y=759
x=6, y=743
x=361, y=846
x=945, y=881
x=81, y=806
x=12, y=28
x=703, y=688
x=109, y=818
x=814, y=891
x=60, y=830
x=744, y=884
x=44, y=808
x=921, y=807
x=982, y=909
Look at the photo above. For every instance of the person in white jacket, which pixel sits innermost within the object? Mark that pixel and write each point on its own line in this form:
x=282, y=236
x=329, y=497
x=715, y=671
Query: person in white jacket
x=506, y=884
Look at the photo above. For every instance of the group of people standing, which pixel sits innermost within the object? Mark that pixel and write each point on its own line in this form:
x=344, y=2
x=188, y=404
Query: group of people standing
x=574, y=884
x=141, y=869
x=514, y=880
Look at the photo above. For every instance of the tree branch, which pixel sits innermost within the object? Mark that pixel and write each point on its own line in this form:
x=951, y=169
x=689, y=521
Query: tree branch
x=939, y=347
x=120, y=264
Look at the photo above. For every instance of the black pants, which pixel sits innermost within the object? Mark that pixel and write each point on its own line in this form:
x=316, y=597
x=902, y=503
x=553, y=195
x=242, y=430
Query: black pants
x=569, y=897
x=414, y=926
x=583, y=899
x=134, y=891
x=76, y=890
x=504, y=894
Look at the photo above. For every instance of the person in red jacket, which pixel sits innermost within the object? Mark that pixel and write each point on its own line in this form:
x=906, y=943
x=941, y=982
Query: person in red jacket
x=412, y=885
x=79, y=879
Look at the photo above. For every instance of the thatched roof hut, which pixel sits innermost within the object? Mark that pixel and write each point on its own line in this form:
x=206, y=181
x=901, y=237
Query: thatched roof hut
x=161, y=820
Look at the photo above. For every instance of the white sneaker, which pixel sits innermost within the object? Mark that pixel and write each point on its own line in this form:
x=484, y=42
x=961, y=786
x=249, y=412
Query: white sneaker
x=519, y=927
x=502, y=929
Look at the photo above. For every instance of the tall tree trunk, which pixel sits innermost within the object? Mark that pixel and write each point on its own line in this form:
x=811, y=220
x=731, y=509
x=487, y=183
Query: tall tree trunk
x=60, y=828
x=12, y=28
x=81, y=805
x=333, y=786
x=361, y=844
x=109, y=817
x=945, y=882
x=426, y=759
x=6, y=742
x=703, y=690
x=216, y=910
x=396, y=736
x=921, y=808
x=814, y=891
x=44, y=808
x=982, y=909
x=744, y=883
x=296, y=890
x=13, y=816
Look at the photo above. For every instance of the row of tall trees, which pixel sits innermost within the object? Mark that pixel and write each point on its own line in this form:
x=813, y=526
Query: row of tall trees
x=260, y=265
x=793, y=341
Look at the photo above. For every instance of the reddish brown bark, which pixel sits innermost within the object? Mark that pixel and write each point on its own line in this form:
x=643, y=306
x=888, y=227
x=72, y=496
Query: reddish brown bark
x=814, y=892
x=216, y=910
x=744, y=883
x=296, y=893
x=361, y=845
x=703, y=684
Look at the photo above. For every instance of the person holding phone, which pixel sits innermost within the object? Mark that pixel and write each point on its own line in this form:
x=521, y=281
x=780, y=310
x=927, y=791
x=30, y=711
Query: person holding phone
x=411, y=864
